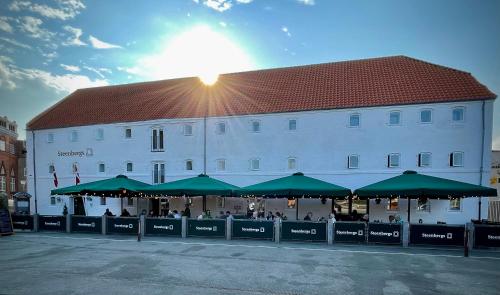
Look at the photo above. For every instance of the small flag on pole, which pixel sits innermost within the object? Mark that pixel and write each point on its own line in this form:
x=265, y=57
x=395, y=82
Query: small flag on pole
x=55, y=179
x=77, y=175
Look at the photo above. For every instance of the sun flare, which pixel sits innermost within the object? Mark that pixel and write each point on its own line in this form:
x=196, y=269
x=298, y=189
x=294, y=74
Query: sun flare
x=199, y=52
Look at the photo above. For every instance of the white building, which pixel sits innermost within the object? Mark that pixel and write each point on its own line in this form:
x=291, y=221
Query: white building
x=350, y=123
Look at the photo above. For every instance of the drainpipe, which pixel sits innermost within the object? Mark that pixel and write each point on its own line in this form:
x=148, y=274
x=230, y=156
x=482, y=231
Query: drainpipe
x=481, y=167
x=34, y=171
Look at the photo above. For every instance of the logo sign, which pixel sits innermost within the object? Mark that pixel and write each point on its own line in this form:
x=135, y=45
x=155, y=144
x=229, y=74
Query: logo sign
x=88, y=152
x=122, y=225
x=350, y=232
x=52, y=223
x=430, y=234
x=303, y=231
x=250, y=229
x=384, y=233
x=485, y=236
x=87, y=224
x=207, y=227
x=163, y=226
x=23, y=222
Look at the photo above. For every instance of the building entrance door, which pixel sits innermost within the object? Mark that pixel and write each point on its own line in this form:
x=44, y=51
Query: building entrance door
x=155, y=206
x=78, y=207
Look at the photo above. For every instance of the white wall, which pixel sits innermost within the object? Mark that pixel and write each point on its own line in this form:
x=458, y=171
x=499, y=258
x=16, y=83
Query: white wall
x=320, y=144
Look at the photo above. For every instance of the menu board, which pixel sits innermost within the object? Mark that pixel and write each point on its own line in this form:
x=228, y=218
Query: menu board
x=5, y=223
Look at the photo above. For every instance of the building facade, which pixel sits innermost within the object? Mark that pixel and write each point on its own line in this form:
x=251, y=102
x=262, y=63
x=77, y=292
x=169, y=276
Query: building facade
x=365, y=134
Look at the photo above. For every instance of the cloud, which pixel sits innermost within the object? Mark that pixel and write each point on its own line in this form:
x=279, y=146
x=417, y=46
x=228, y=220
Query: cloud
x=70, y=68
x=223, y=24
x=73, y=40
x=6, y=74
x=286, y=31
x=32, y=26
x=244, y=1
x=221, y=5
x=67, y=9
x=15, y=43
x=306, y=2
x=98, y=71
x=131, y=70
x=50, y=56
x=4, y=24
x=96, y=43
x=496, y=143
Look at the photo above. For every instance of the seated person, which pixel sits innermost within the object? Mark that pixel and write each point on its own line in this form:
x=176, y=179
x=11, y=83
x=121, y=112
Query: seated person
x=308, y=216
x=125, y=213
x=108, y=213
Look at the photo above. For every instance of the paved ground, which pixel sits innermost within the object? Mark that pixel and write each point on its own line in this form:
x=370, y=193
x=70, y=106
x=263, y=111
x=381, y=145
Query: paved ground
x=36, y=263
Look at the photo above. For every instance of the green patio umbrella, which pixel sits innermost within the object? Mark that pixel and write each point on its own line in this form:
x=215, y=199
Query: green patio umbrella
x=413, y=185
x=294, y=186
x=200, y=185
x=118, y=185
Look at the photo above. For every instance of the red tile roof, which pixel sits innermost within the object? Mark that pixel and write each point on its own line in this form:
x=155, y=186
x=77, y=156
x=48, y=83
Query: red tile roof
x=397, y=80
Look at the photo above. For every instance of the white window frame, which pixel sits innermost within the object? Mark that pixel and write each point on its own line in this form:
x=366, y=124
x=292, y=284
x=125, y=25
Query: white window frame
x=420, y=116
x=452, y=159
x=399, y=118
x=73, y=136
x=453, y=114
x=160, y=139
x=186, y=165
x=3, y=183
x=459, y=204
x=420, y=162
x=188, y=129
x=99, y=134
x=254, y=123
x=12, y=184
x=50, y=137
x=52, y=201
x=99, y=167
x=125, y=133
x=349, y=120
x=126, y=166
x=289, y=122
x=389, y=160
x=294, y=159
x=160, y=173
x=3, y=145
x=349, y=161
x=219, y=163
x=252, y=161
x=218, y=129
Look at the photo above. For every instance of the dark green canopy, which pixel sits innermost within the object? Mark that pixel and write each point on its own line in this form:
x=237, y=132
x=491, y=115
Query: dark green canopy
x=201, y=185
x=120, y=184
x=412, y=184
x=295, y=185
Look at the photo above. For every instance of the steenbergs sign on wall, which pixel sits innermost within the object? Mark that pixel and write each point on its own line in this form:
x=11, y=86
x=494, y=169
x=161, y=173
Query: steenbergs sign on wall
x=84, y=153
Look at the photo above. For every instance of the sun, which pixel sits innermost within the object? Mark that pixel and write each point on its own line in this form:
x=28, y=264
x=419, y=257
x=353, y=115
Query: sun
x=197, y=52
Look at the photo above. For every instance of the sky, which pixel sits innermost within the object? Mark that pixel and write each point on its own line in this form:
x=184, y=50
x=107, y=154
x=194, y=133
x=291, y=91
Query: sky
x=50, y=48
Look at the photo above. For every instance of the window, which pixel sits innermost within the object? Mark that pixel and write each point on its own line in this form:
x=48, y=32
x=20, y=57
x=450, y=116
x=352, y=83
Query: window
x=74, y=136
x=130, y=167
x=12, y=181
x=158, y=173
x=455, y=204
x=130, y=201
x=426, y=116
x=393, y=160
x=458, y=114
x=52, y=168
x=292, y=163
x=354, y=120
x=128, y=133
x=457, y=159
x=393, y=204
x=221, y=165
x=12, y=148
x=52, y=201
x=99, y=134
x=423, y=204
x=25, y=171
x=157, y=140
x=188, y=129
x=2, y=145
x=103, y=201
x=50, y=137
x=3, y=184
x=424, y=160
x=292, y=124
x=254, y=164
x=102, y=167
x=353, y=161
x=221, y=128
x=395, y=118
x=255, y=126
x=189, y=165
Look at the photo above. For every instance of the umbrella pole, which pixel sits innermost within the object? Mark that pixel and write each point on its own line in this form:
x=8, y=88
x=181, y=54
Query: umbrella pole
x=409, y=207
x=204, y=205
x=296, y=208
x=478, y=209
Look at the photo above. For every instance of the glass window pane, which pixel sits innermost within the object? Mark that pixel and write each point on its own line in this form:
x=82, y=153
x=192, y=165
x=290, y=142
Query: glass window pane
x=425, y=116
x=128, y=133
x=458, y=159
x=189, y=165
x=353, y=161
x=129, y=167
x=458, y=114
x=394, y=160
x=255, y=126
x=354, y=120
x=455, y=204
x=291, y=164
x=394, y=118
x=292, y=125
x=161, y=139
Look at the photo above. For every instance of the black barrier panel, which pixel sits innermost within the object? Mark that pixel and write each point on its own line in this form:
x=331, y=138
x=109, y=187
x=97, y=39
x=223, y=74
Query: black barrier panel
x=122, y=225
x=24, y=222
x=253, y=229
x=487, y=236
x=207, y=228
x=162, y=226
x=86, y=224
x=350, y=232
x=6, y=227
x=52, y=223
x=384, y=233
x=303, y=231
x=440, y=235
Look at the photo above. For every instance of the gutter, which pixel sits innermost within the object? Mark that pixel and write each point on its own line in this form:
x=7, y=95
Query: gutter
x=34, y=172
